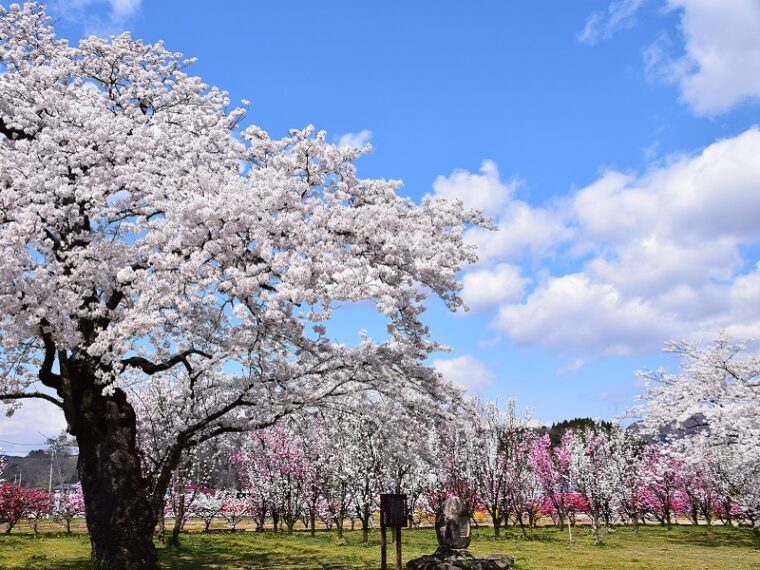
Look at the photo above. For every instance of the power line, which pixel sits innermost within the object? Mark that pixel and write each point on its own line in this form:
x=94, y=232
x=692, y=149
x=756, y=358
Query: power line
x=17, y=443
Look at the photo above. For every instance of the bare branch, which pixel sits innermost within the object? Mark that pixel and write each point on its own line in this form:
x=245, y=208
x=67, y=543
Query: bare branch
x=46, y=374
x=39, y=395
x=151, y=368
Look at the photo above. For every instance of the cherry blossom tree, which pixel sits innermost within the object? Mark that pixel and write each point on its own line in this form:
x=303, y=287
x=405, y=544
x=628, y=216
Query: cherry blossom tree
x=455, y=450
x=720, y=384
x=628, y=474
x=521, y=486
x=338, y=466
x=591, y=473
x=234, y=508
x=490, y=470
x=145, y=232
x=208, y=504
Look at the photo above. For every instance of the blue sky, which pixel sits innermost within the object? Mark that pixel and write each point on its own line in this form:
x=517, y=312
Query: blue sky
x=615, y=144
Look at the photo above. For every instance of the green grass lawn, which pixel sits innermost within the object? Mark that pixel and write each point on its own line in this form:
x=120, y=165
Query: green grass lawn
x=684, y=547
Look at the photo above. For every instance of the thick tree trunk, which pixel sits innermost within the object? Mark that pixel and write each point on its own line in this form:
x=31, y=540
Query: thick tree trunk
x=119, y=515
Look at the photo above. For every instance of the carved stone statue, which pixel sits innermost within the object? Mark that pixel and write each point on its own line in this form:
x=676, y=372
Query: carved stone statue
x=452, y=527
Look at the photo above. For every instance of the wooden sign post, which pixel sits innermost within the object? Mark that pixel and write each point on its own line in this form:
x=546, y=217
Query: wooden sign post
x=392, y=514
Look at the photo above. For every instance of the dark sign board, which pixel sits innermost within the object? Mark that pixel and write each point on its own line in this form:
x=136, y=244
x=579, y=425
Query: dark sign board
x=393, y=510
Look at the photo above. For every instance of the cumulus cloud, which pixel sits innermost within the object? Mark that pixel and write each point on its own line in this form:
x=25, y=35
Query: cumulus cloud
x=602, y=25
x=99, y=17
x=483, y=190
x=661, y=255
x=488, y=287
x=522, y=229
x=574, y=314
x=355, y=140
x=465, y=372
x=719, y=64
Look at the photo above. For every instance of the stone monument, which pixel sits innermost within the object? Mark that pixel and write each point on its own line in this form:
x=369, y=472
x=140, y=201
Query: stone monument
x=452, y=527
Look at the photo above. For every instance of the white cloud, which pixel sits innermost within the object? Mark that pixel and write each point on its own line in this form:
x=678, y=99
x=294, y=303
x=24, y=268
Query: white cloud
x=122, y=9
x=657, y=256
x=355, y=140
x=601, y=26
x=99, y=17
x=573, y=314
x=484, y=191
x=522, y=230
x=27, y=427
x=721, y=64
x=464, y=371
x=488, y=287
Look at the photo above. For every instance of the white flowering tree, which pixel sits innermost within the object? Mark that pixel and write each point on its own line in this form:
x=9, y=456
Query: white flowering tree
x=143, y=231
x=593, y=475
x=720, y=384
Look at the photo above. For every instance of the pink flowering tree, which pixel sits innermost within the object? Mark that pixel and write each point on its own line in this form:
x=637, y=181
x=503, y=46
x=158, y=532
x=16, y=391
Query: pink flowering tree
x=551, y=467
x=275, y=472
x=662, y=497
x=12, y=505
x=39, y=503
x=68, y=505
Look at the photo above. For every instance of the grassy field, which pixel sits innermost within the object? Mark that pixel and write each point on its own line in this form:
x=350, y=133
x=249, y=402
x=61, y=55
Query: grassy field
x=684, y=547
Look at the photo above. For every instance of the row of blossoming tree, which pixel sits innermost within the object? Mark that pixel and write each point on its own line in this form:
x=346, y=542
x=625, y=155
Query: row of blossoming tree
x=330, y=465
x=19, y=503
x=154, y=249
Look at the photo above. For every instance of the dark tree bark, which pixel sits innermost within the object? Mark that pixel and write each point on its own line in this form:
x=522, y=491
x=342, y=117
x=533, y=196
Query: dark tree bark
x=120, y=518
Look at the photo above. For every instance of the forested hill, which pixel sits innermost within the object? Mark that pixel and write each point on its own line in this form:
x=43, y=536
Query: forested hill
x=34, y=469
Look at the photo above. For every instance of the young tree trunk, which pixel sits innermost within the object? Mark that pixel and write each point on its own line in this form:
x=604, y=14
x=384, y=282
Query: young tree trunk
x=595, y=527
x=179, y=516
x=262, y=520
x=313, y=520
x=365, y=524
x=496, y=519
x=120, y=519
